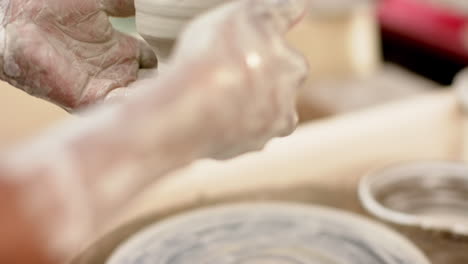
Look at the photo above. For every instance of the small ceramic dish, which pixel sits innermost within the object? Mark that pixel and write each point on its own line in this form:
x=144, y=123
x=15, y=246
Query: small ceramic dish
x=277, y=233
x=428, y=195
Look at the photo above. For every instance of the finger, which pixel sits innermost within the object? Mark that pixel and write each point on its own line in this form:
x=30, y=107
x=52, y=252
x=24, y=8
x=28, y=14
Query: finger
x=144, y=81
x=286, y=126
x=118, y=8
x=300, y=69
x=119, y=95
x=147, y=57
x=279, y=15
x=129, y=45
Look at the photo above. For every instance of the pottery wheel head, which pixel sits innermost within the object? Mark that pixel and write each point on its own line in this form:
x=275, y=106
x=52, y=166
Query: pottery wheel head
x=267, y=234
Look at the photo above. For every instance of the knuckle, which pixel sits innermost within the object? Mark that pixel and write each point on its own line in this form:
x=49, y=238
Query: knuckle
x=299, y=67
x=257, y=145
x=287, y=124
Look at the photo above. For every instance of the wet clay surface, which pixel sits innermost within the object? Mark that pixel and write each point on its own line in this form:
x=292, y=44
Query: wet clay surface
x=440, y=248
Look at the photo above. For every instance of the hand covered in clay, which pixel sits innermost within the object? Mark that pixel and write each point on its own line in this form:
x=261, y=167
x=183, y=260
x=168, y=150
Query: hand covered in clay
x=238, y=59
x=66, y=51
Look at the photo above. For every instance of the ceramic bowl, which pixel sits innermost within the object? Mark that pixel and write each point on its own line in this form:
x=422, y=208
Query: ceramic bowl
x=428, y=195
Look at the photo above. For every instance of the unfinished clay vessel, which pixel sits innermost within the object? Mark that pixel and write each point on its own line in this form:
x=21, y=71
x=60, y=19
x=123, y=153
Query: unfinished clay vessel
x=159, y=22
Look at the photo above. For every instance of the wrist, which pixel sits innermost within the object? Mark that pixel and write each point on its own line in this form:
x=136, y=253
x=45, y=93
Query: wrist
x=175, y=116
x=137, y=143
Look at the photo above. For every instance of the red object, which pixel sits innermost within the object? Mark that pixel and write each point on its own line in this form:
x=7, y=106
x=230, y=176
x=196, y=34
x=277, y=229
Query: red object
x=435, y=27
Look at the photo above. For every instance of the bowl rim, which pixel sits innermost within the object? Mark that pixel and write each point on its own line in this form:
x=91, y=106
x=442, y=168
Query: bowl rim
x=374, y=207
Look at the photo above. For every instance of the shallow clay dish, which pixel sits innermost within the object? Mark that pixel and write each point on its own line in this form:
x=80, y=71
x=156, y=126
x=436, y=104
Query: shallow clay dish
x=428, y=195
x=266, y=233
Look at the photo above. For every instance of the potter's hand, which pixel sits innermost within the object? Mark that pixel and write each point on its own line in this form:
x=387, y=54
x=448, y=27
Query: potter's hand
x=238, y=59
x=66, y=51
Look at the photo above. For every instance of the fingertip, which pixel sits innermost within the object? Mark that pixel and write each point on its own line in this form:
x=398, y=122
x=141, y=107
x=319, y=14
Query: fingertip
x=147, y=57
x=117, y=95
x=290, y=124
x=283, y=14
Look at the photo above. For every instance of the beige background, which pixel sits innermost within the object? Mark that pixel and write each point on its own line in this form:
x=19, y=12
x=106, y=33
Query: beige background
x=22, y=115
